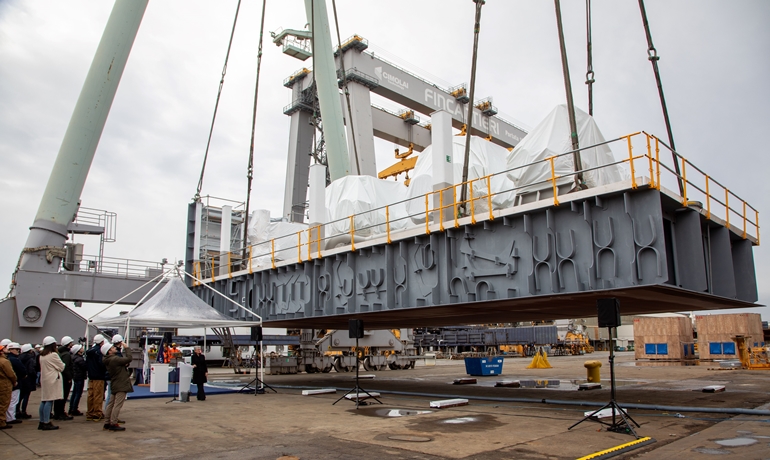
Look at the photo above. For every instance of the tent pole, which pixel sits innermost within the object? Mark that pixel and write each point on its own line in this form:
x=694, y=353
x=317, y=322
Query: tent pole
x=225, y=297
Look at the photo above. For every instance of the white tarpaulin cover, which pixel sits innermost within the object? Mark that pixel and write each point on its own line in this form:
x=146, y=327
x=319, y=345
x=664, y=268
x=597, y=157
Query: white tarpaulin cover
x=351, y=195
x=485, y=158
x=174, y=305
x=552, y=137
x=262, y=230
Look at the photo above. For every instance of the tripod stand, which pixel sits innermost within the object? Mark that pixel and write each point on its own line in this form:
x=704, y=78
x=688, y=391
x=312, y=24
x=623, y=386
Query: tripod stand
x=257, y=384
x=357, y=389
x=176, y=384
x=620, y=422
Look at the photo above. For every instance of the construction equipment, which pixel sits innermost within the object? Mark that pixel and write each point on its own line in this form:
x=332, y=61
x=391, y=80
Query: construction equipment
x=752, y=358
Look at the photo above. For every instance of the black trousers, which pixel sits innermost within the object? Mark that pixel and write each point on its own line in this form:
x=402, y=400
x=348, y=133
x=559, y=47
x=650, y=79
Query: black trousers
x=58, y=405
x=201, y=392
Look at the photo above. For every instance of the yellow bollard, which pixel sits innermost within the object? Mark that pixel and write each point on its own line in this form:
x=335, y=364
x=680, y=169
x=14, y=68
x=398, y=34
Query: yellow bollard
x=593, y=369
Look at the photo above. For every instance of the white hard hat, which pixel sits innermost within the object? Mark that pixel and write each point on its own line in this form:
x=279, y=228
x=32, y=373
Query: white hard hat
x=76, y=348
x=5, y=342
x=106, y=348
x=66, y=340
x=26, y=347
x=117, y=338
x=98, y=338
x=14, y=345
x=48, y=341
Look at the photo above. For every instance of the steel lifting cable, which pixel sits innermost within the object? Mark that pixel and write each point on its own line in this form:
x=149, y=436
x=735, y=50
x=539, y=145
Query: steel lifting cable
x=589, y=60
x=216, y=106
x=652, y=55
x=345, y=88
x=469, y=122
x=250, y=169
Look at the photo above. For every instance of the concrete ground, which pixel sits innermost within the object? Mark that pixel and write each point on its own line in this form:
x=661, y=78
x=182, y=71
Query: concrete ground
x=499, y=423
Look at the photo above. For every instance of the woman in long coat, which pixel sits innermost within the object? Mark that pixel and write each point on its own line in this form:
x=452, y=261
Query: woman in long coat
x=51, y=388
x=200, y=372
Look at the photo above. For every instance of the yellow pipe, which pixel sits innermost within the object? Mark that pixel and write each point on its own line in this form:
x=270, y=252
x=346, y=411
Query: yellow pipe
x=387, y=223
x=631, y=161
x=352, y=234
x=489, y=196
x=553, y=182
x=471, y=198
x=708, y=199
x=272, y=252
x=649, y=157
x=684, y=181
x=427, y=219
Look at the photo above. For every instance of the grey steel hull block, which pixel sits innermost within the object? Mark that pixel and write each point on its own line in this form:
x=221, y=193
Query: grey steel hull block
x=545, y=262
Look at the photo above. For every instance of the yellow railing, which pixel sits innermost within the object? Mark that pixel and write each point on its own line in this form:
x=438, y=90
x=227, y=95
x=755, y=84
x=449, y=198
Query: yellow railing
x=696, y=187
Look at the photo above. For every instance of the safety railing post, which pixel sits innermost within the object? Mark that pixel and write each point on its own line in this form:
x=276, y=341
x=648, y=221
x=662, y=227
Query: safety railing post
x=489, y=196
x=454, y=204
x=299, y=246
x=649, y=157
x=427, y=215
x=272, y=252
x=744, y=219
x=471, y=197
x=318, y=239
x=250, y=258
x=387, y=223
x=631, y=162
x=309, y=240
x=684, y=182
x=708, y=199
x=657, y=163
x=213, y=268
x=229, y=265
x=727, y=208
x=756, y=224
x=441, y=210
x=553, y=183
x=352, y=233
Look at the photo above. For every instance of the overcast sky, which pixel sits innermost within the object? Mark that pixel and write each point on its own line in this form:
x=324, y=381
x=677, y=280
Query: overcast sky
x=715, y=62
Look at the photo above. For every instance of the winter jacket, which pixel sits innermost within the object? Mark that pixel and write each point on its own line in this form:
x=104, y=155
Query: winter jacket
x=18, y=369
x=28, y=360
x=200, y=369
x=79, y=368
x=7, y=376
x=96, y=369
x=66, y=357
x=51, y=366
x=120, y=381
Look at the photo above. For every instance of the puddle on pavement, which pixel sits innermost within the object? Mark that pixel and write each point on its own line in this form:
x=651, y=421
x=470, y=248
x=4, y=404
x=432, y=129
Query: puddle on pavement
x=704, y=450
x=399, y=412
x=736, y=442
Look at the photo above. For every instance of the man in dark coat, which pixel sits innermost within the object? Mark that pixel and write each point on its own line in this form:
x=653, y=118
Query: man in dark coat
x=79, y=370
x=120, y=382
x=200, y=372
x=27, y=386
x=97, y=374
x=11, y=416
x=66, y=378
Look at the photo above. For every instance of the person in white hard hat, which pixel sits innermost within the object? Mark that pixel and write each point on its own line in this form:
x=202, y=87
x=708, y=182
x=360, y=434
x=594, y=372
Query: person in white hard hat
x=7, y=382
x=14, y=349
x=120, y=383
x=27, y=386
x=59, y=405
x=5, y=342
x=79, y=370
x=97, y=374
x=51, y=366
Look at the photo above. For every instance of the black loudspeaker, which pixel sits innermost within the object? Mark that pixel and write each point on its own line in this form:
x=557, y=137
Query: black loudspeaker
x=256, y=333
x=356, y=329
x=608, y=311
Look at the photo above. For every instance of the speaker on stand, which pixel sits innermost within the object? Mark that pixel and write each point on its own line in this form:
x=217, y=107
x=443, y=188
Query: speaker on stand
x=257, y=384
x=356, y=331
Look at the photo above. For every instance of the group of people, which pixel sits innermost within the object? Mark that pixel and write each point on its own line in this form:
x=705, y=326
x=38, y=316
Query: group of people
x=60, y=371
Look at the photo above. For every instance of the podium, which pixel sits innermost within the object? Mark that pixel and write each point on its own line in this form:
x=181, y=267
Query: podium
x=185, y=377
x=158, y=378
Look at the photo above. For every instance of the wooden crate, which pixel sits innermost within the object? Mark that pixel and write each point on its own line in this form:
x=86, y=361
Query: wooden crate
x=668, y=337
x=720, y=329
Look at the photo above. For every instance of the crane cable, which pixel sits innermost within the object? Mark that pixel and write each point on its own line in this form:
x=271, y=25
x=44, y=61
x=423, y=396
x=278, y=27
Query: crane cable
x=216, y=106
x=345, y=88
x=469, y=123
x=578, y=166
x=250, y=169
x=652, y=55
x=589, y=60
